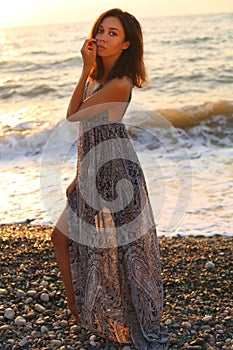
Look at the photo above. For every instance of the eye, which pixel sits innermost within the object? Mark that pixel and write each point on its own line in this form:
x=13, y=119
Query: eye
x=112, y=33
x=99, y=30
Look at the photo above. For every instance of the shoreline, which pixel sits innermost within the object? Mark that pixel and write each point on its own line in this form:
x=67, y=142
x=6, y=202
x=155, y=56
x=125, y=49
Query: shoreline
x=197, y=293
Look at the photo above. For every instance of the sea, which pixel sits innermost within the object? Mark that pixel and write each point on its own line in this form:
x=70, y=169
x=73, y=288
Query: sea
x=180, y=122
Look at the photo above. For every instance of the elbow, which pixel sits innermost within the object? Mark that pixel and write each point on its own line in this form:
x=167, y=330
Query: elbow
x=72, y=117
x=69, y=116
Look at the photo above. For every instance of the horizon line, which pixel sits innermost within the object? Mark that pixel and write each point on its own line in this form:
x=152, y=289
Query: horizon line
x=141, y=18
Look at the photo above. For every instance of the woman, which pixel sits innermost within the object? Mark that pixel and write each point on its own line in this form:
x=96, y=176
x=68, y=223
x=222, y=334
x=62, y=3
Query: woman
x=105, y=240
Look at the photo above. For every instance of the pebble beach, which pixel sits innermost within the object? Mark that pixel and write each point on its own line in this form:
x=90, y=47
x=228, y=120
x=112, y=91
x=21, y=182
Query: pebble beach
x=197, y=275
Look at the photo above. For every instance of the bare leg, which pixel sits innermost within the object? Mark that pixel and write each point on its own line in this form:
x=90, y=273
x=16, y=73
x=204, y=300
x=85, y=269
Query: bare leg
x=60, y=241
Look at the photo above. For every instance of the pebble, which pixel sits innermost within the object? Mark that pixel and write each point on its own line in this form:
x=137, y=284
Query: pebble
x=8, y=347
x=63, y=323
x=56, y=342
x=23, y=342
x=40, y=321
x=74, y=328
x=56, y=325
x=30, y=315
x=3, y=291
x=20, y=321
x=35, y=334
x=19, y=279
x=4, y=327
x=93, y=337
x=9, y=314
x=31, y=293
x=168, y=322
x=44, y=283
x=207, y=318
x=20, y=293
x=93, y=343
x=186, y=325
x=39, y=308
x=210, y=265
x=44, y=329
x=44, y=297
x=28, y=300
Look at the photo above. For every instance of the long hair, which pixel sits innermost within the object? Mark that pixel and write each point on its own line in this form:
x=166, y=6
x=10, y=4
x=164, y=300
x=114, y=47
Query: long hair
x=131, y=62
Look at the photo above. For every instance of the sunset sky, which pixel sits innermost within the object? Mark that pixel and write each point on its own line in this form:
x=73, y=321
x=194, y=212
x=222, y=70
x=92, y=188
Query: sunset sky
x=15, y=13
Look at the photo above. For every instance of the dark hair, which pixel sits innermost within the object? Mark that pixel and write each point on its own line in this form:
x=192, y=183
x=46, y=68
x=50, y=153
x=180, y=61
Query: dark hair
x=130, y=63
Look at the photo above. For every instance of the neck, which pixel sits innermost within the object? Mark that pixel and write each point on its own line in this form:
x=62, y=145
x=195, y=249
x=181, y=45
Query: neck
x=108, y=64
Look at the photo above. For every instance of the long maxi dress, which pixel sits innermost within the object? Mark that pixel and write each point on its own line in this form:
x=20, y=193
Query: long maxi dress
x=113, y=247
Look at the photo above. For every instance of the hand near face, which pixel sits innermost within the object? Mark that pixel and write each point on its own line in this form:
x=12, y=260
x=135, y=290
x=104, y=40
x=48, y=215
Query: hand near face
x=88, y=52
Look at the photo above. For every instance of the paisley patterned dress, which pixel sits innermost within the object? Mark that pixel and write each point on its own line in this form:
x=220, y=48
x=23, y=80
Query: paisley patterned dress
x=114, y=255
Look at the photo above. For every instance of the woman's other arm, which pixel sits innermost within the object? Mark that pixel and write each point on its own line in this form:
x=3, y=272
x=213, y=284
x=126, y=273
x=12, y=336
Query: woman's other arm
x=115, y=94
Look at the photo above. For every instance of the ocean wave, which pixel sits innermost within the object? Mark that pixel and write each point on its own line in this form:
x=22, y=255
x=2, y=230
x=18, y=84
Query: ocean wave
x=43, y=64
x=195, y=40
x=209, y=124
x=70, y=61
x=38, y=90
x=11, y=90
x=30, y=138
x=192, y=115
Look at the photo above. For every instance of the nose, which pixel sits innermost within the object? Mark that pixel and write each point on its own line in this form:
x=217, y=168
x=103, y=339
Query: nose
x=102, y=37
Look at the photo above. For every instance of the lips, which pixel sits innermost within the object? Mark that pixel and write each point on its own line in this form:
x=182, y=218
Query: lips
x=101, y=47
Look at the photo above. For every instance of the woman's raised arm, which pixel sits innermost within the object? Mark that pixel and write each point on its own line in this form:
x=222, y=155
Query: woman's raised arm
x=88, y=52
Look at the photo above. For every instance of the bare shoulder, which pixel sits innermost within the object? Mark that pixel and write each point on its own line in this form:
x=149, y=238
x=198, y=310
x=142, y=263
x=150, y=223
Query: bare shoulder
x=121, y=83
x=118, y=89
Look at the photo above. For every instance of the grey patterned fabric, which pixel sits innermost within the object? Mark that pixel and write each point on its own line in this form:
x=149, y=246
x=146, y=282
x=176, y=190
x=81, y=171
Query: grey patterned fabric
x=114, y=255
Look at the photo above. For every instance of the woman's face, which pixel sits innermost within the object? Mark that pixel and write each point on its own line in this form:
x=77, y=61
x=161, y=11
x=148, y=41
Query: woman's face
x=111, y=38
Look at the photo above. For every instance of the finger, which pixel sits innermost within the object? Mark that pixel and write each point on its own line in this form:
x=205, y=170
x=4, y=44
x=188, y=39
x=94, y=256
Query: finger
x=88, y=42
x=91, y=46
